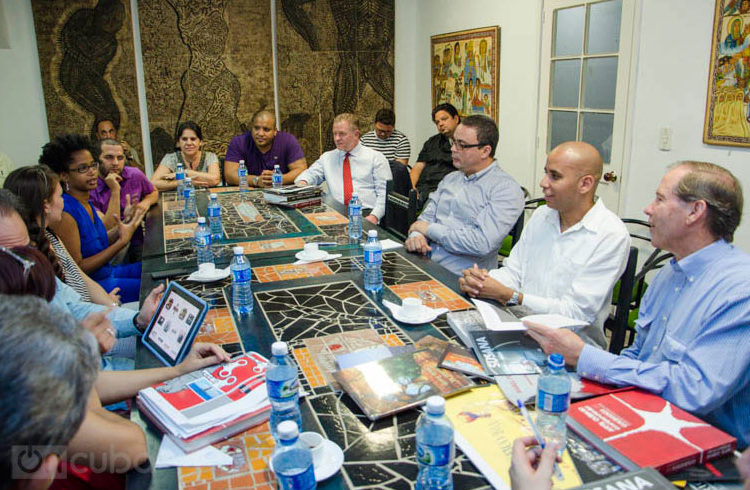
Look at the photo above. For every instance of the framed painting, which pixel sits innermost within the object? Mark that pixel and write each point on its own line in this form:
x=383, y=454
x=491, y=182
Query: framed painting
x=728, y=101
x=466, y=70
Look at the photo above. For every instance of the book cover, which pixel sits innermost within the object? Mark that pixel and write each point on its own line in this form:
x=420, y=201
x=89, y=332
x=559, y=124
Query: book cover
x=463, y=322
x=507, y=352
x=638, y=429
x=290, y=189
x=391, y=385
x=300, y=203
x=643, y=478
x=461, y=359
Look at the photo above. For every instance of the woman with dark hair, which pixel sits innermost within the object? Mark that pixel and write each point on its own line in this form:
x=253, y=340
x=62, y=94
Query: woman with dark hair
x=25, y=270
x=38, y=188
x=201, y=166
x=81, y=229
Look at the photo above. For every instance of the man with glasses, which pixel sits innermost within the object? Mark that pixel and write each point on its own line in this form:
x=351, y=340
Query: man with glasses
x=466, y=219
x=571, y=252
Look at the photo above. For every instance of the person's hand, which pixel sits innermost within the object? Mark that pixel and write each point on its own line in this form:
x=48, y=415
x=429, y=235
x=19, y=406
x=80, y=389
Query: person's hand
x=127, y=213
x=201, y=355
x=472, y=281
x=743, y=465
x=417, y=243
x=530, y=467
x=115, y=295
x=125, y=147
x=302, y=183
x=125, y=230
x=372, y=219
x=266, y=178
x=98, y=324
x=113, y=181
x=560, y=340
x=149, y=306
x=144, y=206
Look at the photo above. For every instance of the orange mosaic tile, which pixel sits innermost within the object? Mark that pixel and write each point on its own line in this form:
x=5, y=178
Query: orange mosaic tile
x=179, y=231
x=275, y=245
x=445, y=297
x=309, y=368
x=327, y=218
x=286, y=272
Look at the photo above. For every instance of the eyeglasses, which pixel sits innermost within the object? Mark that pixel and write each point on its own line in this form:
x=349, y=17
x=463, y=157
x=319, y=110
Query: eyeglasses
x=27, y=264
x=461, y=146
x=82, y=169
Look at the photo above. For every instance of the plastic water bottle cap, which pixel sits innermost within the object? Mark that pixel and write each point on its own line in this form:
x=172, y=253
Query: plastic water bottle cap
x=354, y=196
x=372, y=233
x=275, y=167
x=556, y=361
x=188, y=179
x=201, y=220
x=435, y=405
x=242, y=162
x=213, y=195
x=279, y=349
x=238, y=250
x=288, y=430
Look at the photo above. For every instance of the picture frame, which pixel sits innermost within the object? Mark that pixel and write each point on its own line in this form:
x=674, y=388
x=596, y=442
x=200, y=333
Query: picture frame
x=727, y=120
x=465, y=70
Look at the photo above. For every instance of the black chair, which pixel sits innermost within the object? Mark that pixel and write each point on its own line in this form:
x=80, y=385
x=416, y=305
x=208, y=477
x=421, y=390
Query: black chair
x=401, y=178
x=400, y=211
x=221, y=170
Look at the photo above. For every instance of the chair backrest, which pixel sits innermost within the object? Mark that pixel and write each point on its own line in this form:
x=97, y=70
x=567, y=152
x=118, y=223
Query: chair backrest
x=618, y=323
x=401, y=179
x=221, y=170
x=400, y=211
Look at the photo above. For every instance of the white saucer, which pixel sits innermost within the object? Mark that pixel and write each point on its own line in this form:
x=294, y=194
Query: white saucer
x=426, y=315
x=320, y=255
x=216, y=275
x=333, y=459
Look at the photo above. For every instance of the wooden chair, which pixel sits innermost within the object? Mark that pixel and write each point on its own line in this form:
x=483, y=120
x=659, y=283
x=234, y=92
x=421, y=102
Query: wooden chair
x=400, y=211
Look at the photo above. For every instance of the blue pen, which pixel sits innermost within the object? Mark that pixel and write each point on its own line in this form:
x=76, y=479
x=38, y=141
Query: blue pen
x=537, y=434
x=325, y=244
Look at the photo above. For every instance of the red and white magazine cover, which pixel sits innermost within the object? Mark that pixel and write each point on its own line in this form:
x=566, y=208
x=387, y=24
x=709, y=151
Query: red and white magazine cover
x=648, y=431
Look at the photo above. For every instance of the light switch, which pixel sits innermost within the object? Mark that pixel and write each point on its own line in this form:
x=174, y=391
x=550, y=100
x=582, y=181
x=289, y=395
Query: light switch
x=665, y=139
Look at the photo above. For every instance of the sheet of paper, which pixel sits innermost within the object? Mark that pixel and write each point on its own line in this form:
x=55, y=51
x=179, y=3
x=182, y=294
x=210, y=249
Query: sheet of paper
x=492, y=320
x=328, y=257
x=553, y=320
x=389, y=244
x=171, y=455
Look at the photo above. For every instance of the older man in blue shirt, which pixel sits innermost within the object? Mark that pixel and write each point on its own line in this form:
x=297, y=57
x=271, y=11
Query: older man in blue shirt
x=466, y=219
x=692, y=345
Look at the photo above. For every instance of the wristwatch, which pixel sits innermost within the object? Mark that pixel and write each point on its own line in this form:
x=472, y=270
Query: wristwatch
x=255, y=180
x=513, y=301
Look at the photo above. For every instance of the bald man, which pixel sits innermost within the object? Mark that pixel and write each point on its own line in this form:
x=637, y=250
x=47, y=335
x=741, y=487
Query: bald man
x=571, y=252
x=261, y=148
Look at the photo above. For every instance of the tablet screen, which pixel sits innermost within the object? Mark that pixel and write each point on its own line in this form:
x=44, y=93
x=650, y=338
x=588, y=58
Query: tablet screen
x=175, y=324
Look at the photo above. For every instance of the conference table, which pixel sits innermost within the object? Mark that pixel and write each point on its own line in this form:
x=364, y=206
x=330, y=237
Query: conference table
x=298, y=304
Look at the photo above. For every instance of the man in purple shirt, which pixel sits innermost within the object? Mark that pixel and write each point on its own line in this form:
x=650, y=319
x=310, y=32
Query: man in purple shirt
x=261, y=148
x=122, y=190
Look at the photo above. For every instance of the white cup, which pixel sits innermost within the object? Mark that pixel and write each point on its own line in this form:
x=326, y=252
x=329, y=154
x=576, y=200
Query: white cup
x=311, y=250
x=314, y=441
x=411, y=307
x=206, y=268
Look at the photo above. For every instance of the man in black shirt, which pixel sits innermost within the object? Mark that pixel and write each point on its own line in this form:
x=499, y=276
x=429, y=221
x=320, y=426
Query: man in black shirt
x=434, y=161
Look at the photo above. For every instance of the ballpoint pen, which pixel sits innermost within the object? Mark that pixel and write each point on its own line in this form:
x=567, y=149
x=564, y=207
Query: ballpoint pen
x=537, y=434
x=325, y=244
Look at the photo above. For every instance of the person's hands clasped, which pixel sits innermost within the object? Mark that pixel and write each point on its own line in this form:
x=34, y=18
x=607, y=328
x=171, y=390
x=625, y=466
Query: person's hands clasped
x=560, y=340
x=530, y=467
x=99, y=325
x=201, y=355
x=148, y=308
x=266, y=178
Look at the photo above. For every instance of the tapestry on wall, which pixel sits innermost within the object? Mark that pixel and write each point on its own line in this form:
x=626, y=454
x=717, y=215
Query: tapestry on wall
x=88, y=66
x=207, y=62
x=728, y=102
x=334, y=56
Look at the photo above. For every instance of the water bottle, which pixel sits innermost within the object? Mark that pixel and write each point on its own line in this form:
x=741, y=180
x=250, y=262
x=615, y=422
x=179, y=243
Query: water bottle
x=214, y=218
x=291, y=460
x=278, y=177
x=242, y=292
x=242, y=177
x=179, y=176
x=203, y=242
x=435, y=449
x=373, y=262
x=553, y=399
x=283, y=388
x=355, y=219
x=190, y=210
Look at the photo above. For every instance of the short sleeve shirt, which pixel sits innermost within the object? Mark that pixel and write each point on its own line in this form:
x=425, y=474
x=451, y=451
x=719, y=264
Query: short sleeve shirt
x=436, y=154
x=284, y=150
x=170, y=160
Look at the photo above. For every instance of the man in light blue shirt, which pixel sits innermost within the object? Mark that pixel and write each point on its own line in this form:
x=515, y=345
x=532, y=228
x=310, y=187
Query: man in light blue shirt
x=466, y=219
x=693, y=343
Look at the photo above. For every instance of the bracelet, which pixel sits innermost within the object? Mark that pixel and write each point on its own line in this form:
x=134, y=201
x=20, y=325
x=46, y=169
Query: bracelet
x=256, y=179
x=135, y=323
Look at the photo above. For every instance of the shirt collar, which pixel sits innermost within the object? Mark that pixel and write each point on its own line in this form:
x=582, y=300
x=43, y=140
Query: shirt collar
x=591, y=220
x=354, y=151
x=694, y=264
x=478, y=175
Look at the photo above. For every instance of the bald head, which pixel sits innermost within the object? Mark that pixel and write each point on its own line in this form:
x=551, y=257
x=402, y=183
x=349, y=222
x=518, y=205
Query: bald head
x=265, y=114
x=582, y=156
x=570, y=178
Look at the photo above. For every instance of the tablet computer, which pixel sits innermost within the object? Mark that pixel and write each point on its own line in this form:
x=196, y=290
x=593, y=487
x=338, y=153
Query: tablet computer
x=175, y=324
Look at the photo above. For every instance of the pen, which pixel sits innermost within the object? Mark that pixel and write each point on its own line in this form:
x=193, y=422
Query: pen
x=537, y=434
x=325, y=244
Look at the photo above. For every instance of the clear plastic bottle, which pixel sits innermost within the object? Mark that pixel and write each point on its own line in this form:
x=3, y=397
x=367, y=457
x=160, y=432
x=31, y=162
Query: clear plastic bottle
x=292, y=461
x=373, y=262
x=190, y=211
x=435, y=448
x=355, y=219
x=552, y=402
x=179, y=176
x=242, y=292
x=278, y=177
x=203, y=242
x=214, y=218
x=242, y=177
x=283, y=387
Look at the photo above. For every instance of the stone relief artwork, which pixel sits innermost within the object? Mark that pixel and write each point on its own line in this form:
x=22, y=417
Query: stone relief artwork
x=205, y=61
x=334, y=56
x=88, y=66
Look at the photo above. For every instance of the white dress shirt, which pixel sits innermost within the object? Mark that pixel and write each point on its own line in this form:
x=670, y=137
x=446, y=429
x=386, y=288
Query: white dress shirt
x=570, y=273
x=370, y=171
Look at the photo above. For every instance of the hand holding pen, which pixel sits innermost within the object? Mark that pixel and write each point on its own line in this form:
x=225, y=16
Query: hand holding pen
x=539, y=438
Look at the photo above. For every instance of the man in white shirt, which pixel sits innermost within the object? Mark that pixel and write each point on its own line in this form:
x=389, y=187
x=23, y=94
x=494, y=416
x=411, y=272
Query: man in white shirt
x=351, y=169
x=571, y=252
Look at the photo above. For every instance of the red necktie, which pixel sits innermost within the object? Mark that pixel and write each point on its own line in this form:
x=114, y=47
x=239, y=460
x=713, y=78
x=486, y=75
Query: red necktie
x=347, y=180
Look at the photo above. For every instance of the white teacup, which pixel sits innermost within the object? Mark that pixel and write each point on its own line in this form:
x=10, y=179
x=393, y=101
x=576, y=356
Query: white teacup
x=411, y=307
x=311, y=250
x=315, y=442
x=206, y=269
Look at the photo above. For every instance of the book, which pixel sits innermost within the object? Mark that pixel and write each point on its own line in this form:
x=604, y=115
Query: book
x=288, y=189
x=210, y=404
x=397, y=383
x=300, y=203
x=642, y=478
x=463, y=322
x=507, y=352
x=523, y=387
x=462, y=360
x=497, y=318
x=636, y=429
x=293, y=193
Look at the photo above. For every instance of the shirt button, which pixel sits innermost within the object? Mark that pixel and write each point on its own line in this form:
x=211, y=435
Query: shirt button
x=654, y=349
x=664, y=318
x=677, y=289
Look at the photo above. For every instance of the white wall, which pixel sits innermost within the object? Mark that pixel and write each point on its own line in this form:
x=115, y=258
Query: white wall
x=519, y=21
x=23, y=120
